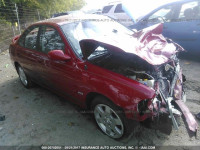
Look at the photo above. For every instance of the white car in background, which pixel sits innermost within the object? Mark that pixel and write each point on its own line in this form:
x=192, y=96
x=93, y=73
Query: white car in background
x=115, y=11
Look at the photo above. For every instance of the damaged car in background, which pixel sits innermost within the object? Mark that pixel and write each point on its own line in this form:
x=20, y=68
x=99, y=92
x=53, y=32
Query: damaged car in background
x=99, y=64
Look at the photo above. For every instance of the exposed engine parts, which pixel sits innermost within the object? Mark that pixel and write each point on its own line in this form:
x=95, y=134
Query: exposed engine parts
x=164, y=79
x=140, y=76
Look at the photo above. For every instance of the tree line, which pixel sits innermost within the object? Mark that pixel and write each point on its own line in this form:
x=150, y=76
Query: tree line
x=45, y=8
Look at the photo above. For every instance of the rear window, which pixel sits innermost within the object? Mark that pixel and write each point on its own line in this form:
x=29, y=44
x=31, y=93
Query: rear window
x=119, y=9
x=29, y=38
x=106, y=9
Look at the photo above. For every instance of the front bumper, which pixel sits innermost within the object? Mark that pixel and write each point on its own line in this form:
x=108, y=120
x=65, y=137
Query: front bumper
x=174, y=104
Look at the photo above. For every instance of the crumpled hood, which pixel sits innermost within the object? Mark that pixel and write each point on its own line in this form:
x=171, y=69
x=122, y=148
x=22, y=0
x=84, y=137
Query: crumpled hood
x=148, y=44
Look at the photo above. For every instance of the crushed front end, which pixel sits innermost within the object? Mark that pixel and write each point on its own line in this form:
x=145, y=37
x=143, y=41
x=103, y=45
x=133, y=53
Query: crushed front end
x=170, y=97
x=150, y=59
x=166, y=77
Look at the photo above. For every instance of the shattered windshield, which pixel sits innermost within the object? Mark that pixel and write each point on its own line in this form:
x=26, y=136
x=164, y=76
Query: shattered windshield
x=78, y=31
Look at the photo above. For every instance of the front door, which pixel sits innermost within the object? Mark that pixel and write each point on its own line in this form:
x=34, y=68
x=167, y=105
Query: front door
x=185, y=30
x=60, y=76
x=181, y=23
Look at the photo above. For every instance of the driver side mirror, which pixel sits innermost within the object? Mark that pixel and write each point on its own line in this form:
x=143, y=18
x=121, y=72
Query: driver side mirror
x=58, y=55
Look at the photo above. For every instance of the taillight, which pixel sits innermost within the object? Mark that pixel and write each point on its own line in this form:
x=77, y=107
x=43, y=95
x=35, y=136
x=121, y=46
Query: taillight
x=14, y=40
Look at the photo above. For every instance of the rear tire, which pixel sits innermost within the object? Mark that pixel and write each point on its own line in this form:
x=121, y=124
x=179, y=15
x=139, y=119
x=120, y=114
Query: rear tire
x=110, y=118
x=25, y=80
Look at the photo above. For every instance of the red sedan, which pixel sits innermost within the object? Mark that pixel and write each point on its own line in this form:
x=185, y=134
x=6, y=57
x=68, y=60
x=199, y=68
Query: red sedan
x=99, y=64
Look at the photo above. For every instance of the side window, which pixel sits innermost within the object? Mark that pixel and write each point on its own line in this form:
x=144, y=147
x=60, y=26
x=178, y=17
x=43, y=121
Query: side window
x=106, y=9
x=166, y=14
x=190, y=10
x=50, y=40
x=29, y=39
x=119, y=9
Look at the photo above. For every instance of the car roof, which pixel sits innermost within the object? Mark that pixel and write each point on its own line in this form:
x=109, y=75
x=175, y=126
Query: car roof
x=66, y=19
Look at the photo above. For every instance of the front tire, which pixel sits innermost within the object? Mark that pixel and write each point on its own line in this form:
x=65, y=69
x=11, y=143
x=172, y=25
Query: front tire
x=26, y=82
x=110, y=118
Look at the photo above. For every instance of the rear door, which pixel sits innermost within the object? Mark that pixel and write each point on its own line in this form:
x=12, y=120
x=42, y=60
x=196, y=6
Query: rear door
x=28, y=52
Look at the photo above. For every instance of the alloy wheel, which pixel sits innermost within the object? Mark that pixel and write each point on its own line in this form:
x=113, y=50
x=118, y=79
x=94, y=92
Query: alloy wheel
x=109, y=121
x=22, y=76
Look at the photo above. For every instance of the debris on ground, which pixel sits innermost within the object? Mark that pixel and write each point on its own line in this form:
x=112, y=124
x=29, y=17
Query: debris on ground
x=16, y=97
x=3, y=53
x=2, y=117
x=198, y=116
x=6, y=65
x=32, y=134
x=71, y=124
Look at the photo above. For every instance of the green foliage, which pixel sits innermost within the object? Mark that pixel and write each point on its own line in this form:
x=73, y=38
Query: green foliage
x=45, y=7
x=28, y=13
x=48, y=7
x=4, y=23
x=2, y=3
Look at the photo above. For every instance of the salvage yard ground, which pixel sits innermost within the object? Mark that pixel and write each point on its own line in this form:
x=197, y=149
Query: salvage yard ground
x=39, y=117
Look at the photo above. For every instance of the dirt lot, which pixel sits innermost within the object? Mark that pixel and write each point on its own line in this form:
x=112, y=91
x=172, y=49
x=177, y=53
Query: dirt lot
x=38, y=117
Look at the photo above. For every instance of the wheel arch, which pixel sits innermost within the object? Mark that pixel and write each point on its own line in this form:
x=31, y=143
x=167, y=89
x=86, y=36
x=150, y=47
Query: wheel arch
x=16, y=64
x=90, y=97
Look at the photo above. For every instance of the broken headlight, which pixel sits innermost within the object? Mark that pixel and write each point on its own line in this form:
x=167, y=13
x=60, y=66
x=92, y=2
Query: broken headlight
x=142, y=107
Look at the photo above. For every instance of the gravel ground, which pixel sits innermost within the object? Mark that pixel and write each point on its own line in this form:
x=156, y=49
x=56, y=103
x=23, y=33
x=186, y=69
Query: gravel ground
x=38, y=117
